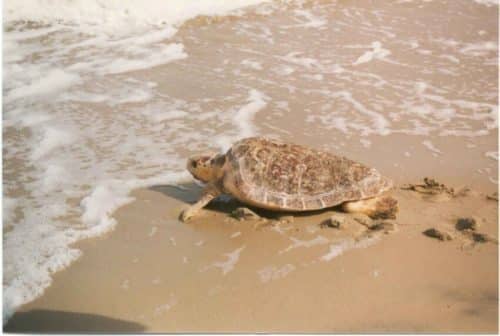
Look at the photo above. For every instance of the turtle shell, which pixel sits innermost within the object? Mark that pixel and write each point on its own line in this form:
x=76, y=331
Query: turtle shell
x=277, y=175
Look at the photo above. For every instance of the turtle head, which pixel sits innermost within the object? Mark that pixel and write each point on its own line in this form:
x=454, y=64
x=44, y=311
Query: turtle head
x=205, y=167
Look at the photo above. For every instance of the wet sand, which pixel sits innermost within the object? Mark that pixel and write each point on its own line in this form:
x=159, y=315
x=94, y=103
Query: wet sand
x=155, y=274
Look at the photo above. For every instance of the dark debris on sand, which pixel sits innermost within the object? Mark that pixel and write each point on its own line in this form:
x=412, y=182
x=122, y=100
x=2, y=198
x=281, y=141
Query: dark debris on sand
x=335, y=221
x=438, y=234
x=493, y=197
x=467, y=226
x=432, y=187
x=467, y=223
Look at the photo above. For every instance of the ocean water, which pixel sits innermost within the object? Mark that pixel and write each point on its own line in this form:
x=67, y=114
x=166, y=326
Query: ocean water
x=101, y=98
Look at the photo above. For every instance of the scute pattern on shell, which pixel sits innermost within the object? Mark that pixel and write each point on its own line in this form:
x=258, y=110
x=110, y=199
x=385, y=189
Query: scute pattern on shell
x=294, y=177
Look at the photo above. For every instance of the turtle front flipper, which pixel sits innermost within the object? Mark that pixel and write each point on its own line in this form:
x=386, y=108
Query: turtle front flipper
x=209, y=193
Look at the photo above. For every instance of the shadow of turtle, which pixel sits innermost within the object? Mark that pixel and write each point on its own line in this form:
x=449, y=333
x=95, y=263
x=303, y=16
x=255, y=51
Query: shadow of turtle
x=191, y=192
x=188, y=192
x=54, y=321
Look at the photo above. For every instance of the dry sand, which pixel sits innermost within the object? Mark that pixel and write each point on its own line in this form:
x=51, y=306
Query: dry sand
x=155, y=274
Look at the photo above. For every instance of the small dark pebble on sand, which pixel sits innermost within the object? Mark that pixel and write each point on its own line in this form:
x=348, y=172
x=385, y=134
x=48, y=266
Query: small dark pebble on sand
x=467, y=223
x=331, y=222
x=493, y=197
x=385, y=226
x=481, y=237
x=439, y=234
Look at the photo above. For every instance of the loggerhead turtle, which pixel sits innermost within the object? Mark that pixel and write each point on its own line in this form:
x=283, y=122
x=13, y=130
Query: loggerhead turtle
x=270, y=174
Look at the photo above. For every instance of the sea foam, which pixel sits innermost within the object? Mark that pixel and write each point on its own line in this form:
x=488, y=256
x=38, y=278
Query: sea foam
x=377, y=52
x=337, y=249
x=242, y=119
x=61, y=72
x=118, y=15
x=228, y=265
x=45, y=86
x=274, y=273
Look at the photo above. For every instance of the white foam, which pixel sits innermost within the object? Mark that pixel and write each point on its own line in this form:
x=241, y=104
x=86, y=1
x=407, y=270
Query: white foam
x=41, y=250
x=44, y=87
x=365, y=142
x=336, y=250
x=236, y=234
x=29, y=119
x=243, y=119
x=167, y=115
x=173, y=241
x=450, y=58
x=51, y=139
x=228, y=265
x=277, y=228
x=306, y=62
x=488, y=3
x=424, y=51
x=339, y=248
x=168, y=53
x=317, y=77
x=433, y=106
x=244, y=116
x=164, y=308
x=102, y=202
x=271, y=273
x=319, y=240
x=45, y=246
x=154, y=36
x=377, y=53
x=379, y=123
x=153, y=231
x=311, y=20
x=125, y=284
x=109, y=195
x=123, y=93
x=492, y=155
x=252, y=64
x=55, y=177
x=9, y=205
x=312, y=229
x=479, y=48
x=118, y=15
x=30, y=34
x=429, y=145
x=283, y=70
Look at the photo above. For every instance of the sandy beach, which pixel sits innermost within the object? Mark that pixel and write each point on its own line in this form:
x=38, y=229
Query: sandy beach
x=98, y=125
x=217, y=274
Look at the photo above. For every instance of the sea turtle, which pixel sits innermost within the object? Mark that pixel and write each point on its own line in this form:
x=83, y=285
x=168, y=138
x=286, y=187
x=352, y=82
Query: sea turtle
x=271, y=174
